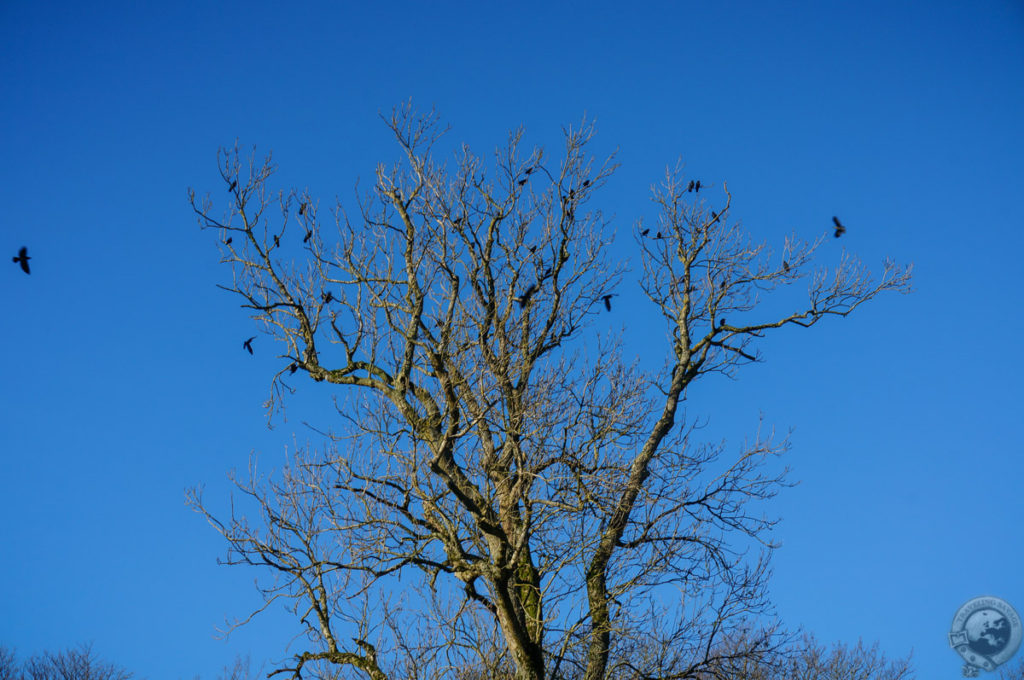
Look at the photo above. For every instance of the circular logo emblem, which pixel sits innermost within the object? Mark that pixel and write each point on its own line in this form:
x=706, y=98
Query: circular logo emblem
x=986, y=632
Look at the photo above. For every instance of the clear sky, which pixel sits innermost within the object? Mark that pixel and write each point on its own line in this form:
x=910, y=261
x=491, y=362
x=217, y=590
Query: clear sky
x=124, y=377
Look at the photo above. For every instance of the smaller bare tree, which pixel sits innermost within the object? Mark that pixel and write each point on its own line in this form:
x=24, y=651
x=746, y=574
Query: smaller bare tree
x=72, y=664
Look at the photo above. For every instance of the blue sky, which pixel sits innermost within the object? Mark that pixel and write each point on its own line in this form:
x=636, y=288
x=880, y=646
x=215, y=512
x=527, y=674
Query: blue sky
x=125, y=381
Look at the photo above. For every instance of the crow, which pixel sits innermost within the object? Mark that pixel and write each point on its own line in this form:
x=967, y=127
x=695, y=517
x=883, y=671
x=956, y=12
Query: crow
x=645, y=232
x=23, y=259
x=529, y=170
x=524, y=299
x=714, y=215
x=696, y=187
x=608, y=300
x=248, y=344
x=228, y=241
x=234, y=184
x=458, y=221
x=308, y=236
x=532, y=249
x=522, y=181
x=327, y=297
x=302, y=209
x=840, y=229
x=586, y=183
x=277, y=241
x=659, y=235
x=785, y=265
x=689, y=187
x=572, y=193
x=293, y=368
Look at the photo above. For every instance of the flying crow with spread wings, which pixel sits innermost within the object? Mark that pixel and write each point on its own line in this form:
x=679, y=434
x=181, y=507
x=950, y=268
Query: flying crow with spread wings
x=23, y=259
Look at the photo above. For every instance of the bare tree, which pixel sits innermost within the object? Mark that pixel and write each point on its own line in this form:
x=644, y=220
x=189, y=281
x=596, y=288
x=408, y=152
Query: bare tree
x=71, y=664
x=509, y=496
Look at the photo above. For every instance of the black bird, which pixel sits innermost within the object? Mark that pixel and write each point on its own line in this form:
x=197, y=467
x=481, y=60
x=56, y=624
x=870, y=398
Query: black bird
x=293, y=368
x=532, y=249
x=840, y=229
x=714, y=215
x=586, y=183
x=689, y=187
x=529, y=170
x=302, y=209
x=23, y=259
x=248, y=344
x=308, y=236
x=645, y=232
x=572, y=193
x=608, y=300
x=696, y=186
x=234, y=184
x=458, y=221
x=524, y=299
x=659, y=235
x=522, y=181
x=228, y=241
x=328, y=297
x=785, y=265
x=277, y=241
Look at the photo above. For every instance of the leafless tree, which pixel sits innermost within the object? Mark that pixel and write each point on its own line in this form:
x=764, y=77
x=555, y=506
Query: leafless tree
x=72, y=664
x=508, y=495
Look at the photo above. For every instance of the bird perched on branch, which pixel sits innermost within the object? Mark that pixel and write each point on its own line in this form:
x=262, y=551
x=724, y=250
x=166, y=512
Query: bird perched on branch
x=234, y=183
x=228, y=241
x=327, y=297
x=689, y=187
x=248, y=344
x=696, y=186
x=840, y=229
x=302, y=209
x=277, y=241
x=308, y=236
x=22, y=259
x=645, y=232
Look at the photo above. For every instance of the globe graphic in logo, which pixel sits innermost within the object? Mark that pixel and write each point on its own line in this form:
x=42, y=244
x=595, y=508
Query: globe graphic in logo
x=988, y=631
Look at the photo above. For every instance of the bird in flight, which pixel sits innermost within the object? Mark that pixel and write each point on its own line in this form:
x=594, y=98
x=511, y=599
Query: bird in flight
x=524, y=299
x=248, y=344
x=234, y=184
x=23, y=259
x=840, y=229
x=608, y=300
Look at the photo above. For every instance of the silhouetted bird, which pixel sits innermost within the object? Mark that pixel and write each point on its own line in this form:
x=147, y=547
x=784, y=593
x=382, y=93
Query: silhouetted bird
x=302, y=209
x=248, y=344
x=714, y=215
x=572, y=193
x=608, y=300
x=696, y=186
x=328, y=297
x=524, y=299
x=586, y=183
x=532, y=249
x=689, y=187
x=293, y=368
x=277, y=241
x=529, y=170
x=645, y=232
x=228, y=241
x=659, y=235
x=522, y=181
x=234, y=184
x=785, y=265
x=840, y=229
x=458, y=221
x=308, y=236
x=23, y=259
